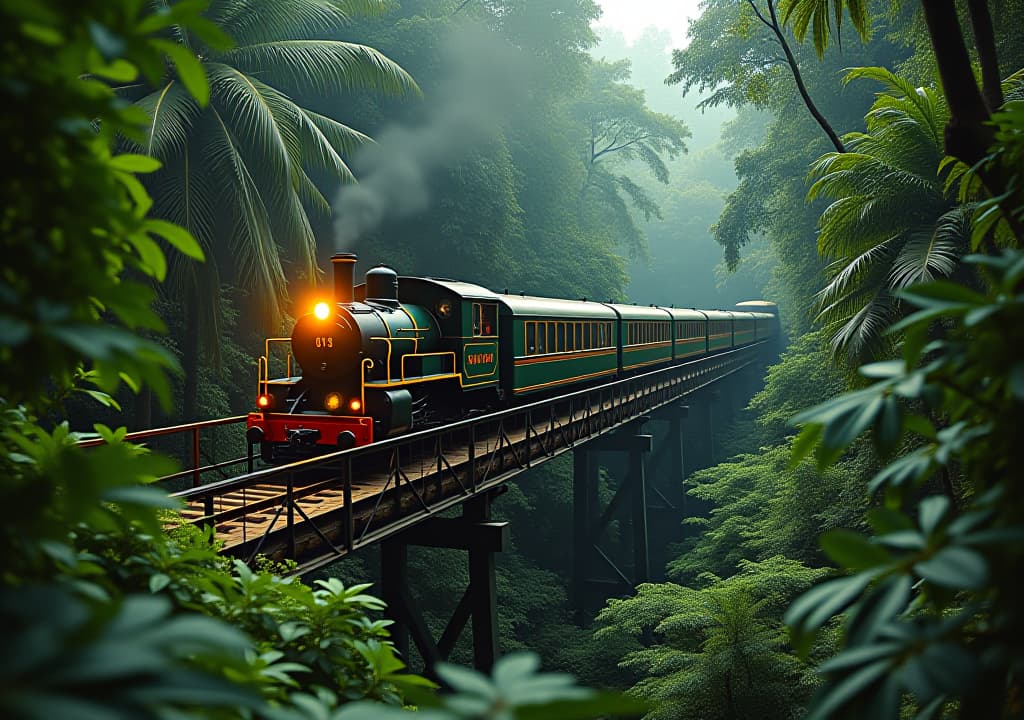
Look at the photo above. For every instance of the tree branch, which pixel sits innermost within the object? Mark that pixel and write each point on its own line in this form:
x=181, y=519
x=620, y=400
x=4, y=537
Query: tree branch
x=612, y=148
x=795, y=69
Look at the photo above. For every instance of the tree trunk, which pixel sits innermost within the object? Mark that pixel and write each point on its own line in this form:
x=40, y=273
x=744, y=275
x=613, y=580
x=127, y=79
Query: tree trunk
x=985, y=41
x=967, y=136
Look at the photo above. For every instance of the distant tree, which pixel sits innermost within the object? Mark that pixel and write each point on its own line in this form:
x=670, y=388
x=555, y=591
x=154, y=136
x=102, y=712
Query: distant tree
x=621, y=128
x=236, y=169
x=739, y=55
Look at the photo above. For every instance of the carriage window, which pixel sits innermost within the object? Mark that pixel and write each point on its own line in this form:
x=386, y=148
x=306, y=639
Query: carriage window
x=485, y=319
x=560, y=347
x=542, y=338
x=586, y=335
x=552, y=347
x=531, y=338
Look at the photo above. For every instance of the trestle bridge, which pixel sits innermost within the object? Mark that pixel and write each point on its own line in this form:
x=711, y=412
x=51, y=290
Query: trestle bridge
x=396, y=492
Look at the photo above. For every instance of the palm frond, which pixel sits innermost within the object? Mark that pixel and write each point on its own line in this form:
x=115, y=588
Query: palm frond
x=847, y=272
x=862, y=336
x=929, y=254
x=248, y=113
x=920, y=103
x=172, y=110
x=322, y=66
x=252, y=21
x=252, y=243
x=310, y=194
x=855, y=223
x=1013, y=87
x=344, y=139
x=251, y=103
x=183, y=194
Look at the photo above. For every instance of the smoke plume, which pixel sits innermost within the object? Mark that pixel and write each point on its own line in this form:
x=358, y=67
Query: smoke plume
x=481, y=80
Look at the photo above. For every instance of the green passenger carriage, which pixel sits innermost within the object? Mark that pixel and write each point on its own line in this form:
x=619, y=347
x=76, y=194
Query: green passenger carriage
x=552, y=343
x=400, y=353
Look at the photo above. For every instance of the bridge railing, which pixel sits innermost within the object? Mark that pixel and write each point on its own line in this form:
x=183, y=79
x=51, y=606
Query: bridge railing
x=428, y=471
x=191, y=433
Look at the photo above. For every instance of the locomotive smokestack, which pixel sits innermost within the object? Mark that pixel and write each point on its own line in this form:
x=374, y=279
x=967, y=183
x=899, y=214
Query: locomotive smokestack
x=344, y=265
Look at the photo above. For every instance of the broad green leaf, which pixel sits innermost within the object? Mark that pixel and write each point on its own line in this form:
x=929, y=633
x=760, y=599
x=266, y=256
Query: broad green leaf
x=158, y=582
x=888, y=428
x=886, y=520
x=464, y=680
x=177, y=236
x=1016, y=381
x=835, y=696
x=853, y=550
x=911, y=468
x=135, y=163
x=190, y=70
x=812, y=609
x=804, y=443
x=903, y=540
x=151, y=255
x=886, y=369
x=852, y=657
x=931, y=512
x=515, y=667
x=955, y=567
x=868, y=618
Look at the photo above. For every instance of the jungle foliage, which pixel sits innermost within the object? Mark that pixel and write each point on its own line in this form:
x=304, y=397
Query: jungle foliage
x=907, y=605
x=108, y=612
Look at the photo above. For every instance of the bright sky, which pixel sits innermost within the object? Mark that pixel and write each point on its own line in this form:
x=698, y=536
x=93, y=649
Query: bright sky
x=631, y=17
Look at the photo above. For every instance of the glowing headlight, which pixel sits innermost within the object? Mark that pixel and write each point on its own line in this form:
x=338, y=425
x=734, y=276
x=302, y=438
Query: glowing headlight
x=355, y=405
x=332, y=401
x=322, y=310
x=265, y=402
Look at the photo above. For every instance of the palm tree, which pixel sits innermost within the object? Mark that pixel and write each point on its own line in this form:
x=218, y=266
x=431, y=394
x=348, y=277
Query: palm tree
x=237, y=171
x=894, y=220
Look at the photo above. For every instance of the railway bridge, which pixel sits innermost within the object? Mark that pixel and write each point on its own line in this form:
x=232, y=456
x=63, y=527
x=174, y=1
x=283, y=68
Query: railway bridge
x=396, y=492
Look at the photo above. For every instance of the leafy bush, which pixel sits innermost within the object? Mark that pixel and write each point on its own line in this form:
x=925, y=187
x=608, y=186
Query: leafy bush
x=932, y=603
x=98, y=602
x=716, y=650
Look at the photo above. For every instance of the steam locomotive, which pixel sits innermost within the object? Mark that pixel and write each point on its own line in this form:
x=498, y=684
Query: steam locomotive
x=401, y=353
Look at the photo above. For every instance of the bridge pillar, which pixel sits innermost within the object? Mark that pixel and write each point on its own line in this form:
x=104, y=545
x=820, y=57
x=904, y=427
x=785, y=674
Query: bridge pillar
x=667, y=502
x=590, y=521
x=481, y=538
x=699, y=436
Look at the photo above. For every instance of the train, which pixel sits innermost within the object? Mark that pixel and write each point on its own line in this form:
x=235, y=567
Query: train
x=396, y=354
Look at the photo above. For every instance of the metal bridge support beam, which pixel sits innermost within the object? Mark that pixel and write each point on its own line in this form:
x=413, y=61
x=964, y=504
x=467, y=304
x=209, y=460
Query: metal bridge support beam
x=590, y=521
x=637, y=480
x=699, y=437
x=481, y=538
x=584, y=491
x=483, y=590
x=667, y=502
